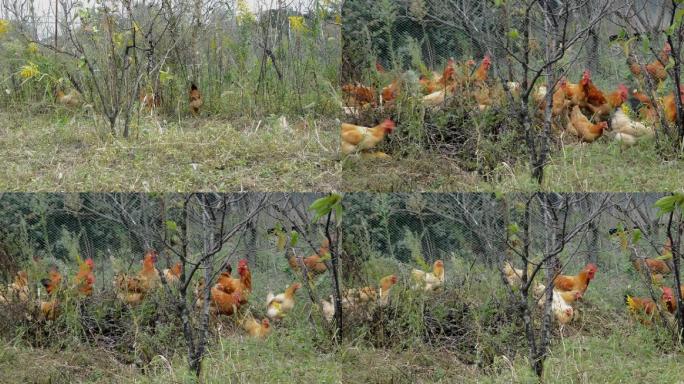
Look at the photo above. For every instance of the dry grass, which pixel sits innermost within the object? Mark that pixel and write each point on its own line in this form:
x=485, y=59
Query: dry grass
x=188, y=155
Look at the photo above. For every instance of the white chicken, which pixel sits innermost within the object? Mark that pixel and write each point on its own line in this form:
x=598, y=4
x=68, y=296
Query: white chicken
x=628, y=131
x=428, y=281
x=279, y=305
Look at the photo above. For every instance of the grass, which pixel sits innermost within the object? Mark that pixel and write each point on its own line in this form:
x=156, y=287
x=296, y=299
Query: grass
x=604, y=345
x=69, y=154
x=601, y=166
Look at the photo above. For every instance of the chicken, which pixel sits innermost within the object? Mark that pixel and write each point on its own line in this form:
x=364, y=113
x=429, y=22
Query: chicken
x=18, y=290
x=560, y=307
x=644, y=308
x=314, y=263
x=656, y=68
x=482, y=71
x=628, y=131
x=539, y=95
x=613, y=100
x=428, y=281
x=132, y=290
x=328, y=308
x=357, y=138
x=70, y=100
x=594, y=96
x=53, y=282
x=195, y=99
x=149, y=100
x=390, y=92
x=437, y=98
x=670, y=105
x=172, y=275
x=586, y=131
x=278, y=305
x=379, y=67
x=579, y=282
x=255, y=328
x=668, y=299
x=225, y=303
x=49, y=309
x=652, y=265
x=85, y=279
x=245, y=276
x=513, y=275
x=366, y=295
x=358, y=95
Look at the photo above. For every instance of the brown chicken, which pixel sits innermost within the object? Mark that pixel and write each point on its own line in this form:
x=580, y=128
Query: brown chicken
x=613, y=101
x=70, y=100
x=149, y=100
x=49, y=309
x=644, y=308
x=85, y=279
x=314, y=263
x=18, y=290
x=482, y=72
x=584, y=128
x=367, y=295
x=358, y=138
x=53, y=282
x=656, y=68
x=255, y=328
x=579, y=282
x=225, y=303
x=172, y=275
x=358, y=95
x=195, y=99
x=390, y=92
x=670, y=105
x=132, y=290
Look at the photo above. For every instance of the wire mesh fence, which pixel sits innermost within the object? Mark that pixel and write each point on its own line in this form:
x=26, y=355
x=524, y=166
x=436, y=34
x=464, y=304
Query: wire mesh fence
x=409, y=34
x=483, y=228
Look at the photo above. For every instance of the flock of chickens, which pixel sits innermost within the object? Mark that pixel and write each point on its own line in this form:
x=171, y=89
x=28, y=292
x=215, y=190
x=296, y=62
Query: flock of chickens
x=567, y=290
x=149, y=101
x=228, y=296
x=580, y=109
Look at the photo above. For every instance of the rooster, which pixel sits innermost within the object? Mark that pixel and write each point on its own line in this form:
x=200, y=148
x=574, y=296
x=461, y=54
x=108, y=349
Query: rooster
x=255, y=328
x=70, y=100
x=85, y=279
x=195, y=99
x=278, y=305
x=428, y=281
x=584, y=129
x=358, y=138
x=579, y=282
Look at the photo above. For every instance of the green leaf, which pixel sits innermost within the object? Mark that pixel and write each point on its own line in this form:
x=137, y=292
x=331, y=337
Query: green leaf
x=171, y=225
x=326, y=205
x=636, y=236
x=645, y=43
x=294, y=237
x=513, y=228
x=513, y=34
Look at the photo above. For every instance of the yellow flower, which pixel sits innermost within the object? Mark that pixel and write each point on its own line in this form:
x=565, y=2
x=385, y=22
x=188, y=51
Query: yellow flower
x=4, y=26
x=29, y=70
x=297, y=23
x=32, y=48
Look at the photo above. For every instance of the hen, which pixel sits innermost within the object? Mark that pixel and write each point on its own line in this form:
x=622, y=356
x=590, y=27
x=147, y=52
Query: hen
x=49, y=309
x=195, y=99
x=356, y=138
x=255, y=328
x=314, y=264
x=85, y=279
x=70, y=100
x=644, y=308
x=628, y=131
x=579, y=282
x=278, y=305
x=172, y=275
x=132, y=290
x=584, y=128
x=428, y=281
